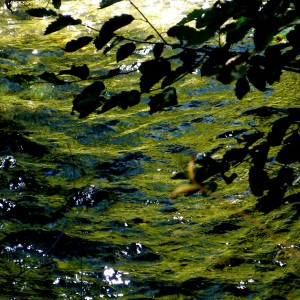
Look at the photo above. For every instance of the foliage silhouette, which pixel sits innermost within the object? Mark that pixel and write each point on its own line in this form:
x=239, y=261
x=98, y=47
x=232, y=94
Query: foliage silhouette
x=274, y=47
x=257, y=40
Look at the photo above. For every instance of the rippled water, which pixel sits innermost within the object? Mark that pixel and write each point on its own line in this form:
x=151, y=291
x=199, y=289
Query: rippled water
x=84, y=204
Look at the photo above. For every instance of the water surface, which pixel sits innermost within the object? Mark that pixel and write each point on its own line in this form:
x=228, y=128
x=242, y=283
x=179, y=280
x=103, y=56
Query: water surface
x=84, y=204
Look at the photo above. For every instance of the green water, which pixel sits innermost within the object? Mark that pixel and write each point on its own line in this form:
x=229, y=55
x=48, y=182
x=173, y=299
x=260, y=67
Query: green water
x=84, y=204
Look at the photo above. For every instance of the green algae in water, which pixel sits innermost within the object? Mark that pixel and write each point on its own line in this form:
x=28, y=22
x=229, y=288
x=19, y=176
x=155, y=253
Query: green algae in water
x=88, y=215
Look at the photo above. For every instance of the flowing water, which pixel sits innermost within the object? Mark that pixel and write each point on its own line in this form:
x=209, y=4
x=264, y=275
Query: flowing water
x=84, y=204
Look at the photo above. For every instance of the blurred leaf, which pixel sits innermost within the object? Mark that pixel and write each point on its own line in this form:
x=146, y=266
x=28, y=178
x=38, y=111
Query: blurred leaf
x=150, y=37
x=237, y=30
x=81, y=72
x=242, y=87
x=106, y=3
x=125, y=50
x=188, y=57
x=293, y=37
x=279, y=128
x=152, y=72
x=216, y=60
x=102, y=40
x=173, y=75
x=257, y=76
x=234, y=156
x=258, y=180
x=22, y=79
x=88, y=100
x=264, y=33
x=166, y=98
x=229, y=179
x=274, y=62
x=123, y=100
x=41, y=12
x=158, y=49
x=289, y=152
x=78, y=44
x=52, y=78
x=189, y=36
x=56, y=3
x=115, y=42
x=60, y=23
x=259, y=154
x=210, y=186
x=128, y=99
x=113, y=72
x=116, y=23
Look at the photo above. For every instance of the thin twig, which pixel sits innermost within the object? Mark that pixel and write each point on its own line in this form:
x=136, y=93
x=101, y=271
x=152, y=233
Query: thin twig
x=145, y=18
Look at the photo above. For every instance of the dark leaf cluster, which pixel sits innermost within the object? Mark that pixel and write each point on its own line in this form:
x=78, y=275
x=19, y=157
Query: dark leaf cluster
x=245, y=43
x=255, y=148
x=239, y=59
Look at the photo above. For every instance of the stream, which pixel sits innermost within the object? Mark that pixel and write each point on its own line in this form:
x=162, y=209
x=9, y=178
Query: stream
x=85, y=207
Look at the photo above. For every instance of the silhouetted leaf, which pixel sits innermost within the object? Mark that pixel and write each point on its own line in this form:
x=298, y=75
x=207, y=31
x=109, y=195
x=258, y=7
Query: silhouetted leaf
x=158, y=49
x=128, y=99
x=264, y=32
x=116, y=23
x=52, y=78
x=41, y=12
x=81, y=72
x=277, y=189
x=293, y=37
x=258, y=180
x=279, y=128
x=237, y=30
x=274, y=62
x=103, y=39
x=217, y=58
x=165, y=99
x=192, y=16
x=113, y=72
x=290, y=152
x=125, y=50
x=106, y=3
x=150, y=37
x=286, y=175
x=257, y=77
x=21, y=79
x=204, y=159
x=259, y=154
x=60, y=23
x=151, y=66
x=152, y=72
x=241, y=87
x=237, y=155
x=123, y=100
x=188, y=57
x=173, y=75
x=229, y=180
x=78, y=44
x=234, y=68
x=56, y=3
x=250, y=138
x=189, y=36
x=88, y=100
x=115, y=42
x=210, y=186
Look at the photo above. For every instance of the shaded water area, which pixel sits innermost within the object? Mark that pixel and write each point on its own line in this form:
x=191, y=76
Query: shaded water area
x=85, y=211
